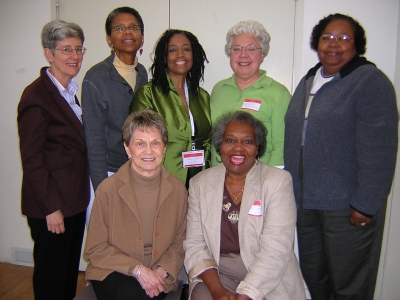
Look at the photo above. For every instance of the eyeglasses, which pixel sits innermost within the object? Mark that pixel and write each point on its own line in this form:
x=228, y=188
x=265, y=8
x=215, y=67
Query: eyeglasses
x=121, y=28
x=342, y=38
x=68, y=50
x=251, y=49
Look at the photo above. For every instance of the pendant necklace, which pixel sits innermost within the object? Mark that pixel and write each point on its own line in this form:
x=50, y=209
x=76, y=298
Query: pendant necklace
x=237, y=196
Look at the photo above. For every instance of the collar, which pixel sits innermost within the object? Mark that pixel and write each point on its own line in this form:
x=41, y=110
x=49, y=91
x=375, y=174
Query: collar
x=356, y=62
x=71, y=89
x=262, y=82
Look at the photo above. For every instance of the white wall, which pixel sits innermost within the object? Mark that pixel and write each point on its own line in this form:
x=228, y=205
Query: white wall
x=21, y=22
x=209, y=20
x=389, y=284
x=22, y=57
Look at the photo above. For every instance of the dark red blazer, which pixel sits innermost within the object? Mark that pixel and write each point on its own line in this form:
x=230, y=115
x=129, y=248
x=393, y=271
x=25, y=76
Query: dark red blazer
x=53, y=152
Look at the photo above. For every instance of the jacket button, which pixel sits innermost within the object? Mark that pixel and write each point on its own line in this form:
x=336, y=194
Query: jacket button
x=155, y=253
x=156, y=233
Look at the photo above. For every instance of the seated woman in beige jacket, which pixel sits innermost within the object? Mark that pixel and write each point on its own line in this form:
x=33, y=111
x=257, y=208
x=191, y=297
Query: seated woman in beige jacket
x=241, y=221
x=138, y=220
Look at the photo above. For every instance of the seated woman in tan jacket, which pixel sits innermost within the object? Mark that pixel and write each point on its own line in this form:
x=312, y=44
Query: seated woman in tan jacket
x=138, y=221
x=241, y=221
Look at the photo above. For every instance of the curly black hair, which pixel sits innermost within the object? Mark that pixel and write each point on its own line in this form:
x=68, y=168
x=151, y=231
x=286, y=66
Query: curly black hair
x=218, y=129
x=159, y=66
x=124, y=9
x=360, y=39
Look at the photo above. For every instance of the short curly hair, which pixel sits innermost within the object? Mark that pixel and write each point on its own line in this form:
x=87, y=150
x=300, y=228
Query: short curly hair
x=218, y=130
x=119, y=10
x=143, y=120
x=159, y=67
x=248, y=27
x=360, y=40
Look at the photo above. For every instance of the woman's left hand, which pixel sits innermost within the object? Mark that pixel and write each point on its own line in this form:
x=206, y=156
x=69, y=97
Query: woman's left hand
x=242, y=297
x=150, y=282
x=357, y=219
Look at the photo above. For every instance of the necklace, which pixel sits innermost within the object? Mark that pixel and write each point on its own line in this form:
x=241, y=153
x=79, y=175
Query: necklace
x=237, y=196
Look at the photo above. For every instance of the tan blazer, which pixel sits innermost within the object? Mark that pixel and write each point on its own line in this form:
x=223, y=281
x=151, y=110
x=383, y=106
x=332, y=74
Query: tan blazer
x=266, y=242
x=114, y=239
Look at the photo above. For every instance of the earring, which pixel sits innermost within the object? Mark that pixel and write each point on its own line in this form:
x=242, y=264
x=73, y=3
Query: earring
x=141, y=51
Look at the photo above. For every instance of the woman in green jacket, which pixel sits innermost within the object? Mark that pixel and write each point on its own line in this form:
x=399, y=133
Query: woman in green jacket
x=174, y=93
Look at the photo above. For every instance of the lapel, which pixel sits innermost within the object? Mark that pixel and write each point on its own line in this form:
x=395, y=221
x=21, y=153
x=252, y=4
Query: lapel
x=126, y=191
x=165, y=187
x=61, y=103
x=213, y=201
x=251, y=192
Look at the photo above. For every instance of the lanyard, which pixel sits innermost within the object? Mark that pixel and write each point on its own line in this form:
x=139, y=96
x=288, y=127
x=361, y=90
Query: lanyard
x=190, y=113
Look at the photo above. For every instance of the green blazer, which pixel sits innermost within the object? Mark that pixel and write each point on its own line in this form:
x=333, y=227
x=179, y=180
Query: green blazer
x=170, y=107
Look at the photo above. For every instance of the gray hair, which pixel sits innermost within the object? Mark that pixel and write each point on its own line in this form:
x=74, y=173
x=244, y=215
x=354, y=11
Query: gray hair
x=59, y=30
x=218, y=130
x=248, y=27
x=144, y=120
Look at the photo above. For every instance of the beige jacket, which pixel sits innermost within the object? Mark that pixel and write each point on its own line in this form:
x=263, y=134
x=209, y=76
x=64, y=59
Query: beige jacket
x=114, y=239
x=266, y=242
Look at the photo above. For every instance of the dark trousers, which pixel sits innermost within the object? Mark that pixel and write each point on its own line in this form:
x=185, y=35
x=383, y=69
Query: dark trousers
x=118, y=286
x=339, y=261
x=56, y=258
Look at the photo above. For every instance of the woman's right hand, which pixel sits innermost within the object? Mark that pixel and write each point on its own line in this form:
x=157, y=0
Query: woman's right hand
x=150, y=281
x=222, y=294
x=218, y=292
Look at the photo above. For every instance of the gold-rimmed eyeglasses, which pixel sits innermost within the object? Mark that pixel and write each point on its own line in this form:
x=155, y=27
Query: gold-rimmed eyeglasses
x=122, y=28
x=342, y=38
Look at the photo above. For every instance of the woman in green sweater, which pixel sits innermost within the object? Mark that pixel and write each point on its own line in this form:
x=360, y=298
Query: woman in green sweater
x=247, y=44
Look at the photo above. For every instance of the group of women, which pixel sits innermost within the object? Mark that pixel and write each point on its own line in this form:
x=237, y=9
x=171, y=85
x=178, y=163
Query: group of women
x=234, y=231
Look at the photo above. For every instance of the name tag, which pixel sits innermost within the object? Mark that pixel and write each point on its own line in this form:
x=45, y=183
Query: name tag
x=193, y=158
x=250, y=104
x=255, y=209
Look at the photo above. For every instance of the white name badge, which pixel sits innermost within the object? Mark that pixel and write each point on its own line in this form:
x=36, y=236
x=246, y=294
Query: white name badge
x=193, y=158
x=250, y=104
x=255, y=209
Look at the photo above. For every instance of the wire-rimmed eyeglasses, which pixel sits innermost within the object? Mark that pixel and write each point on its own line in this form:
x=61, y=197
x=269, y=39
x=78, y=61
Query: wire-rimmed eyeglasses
x=68, y=50
x=250, y=49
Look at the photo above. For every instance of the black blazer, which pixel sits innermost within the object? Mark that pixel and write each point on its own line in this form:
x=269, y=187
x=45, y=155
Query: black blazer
x=53, y=152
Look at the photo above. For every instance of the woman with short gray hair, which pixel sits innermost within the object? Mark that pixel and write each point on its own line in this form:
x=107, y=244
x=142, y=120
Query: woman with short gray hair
x=59, y=30
x=249, y=27
x=55, y=186
x=249, y=89
x=138, y=223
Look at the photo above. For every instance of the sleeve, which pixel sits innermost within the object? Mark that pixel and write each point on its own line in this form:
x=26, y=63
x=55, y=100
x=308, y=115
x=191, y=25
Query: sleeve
x=275, y=249
x=94, y=121
x=172, y=259
x=198, y=257
x=376, y=142
x=98, y=251
x=33, y=123
x=278, y=127
x=143, y=98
